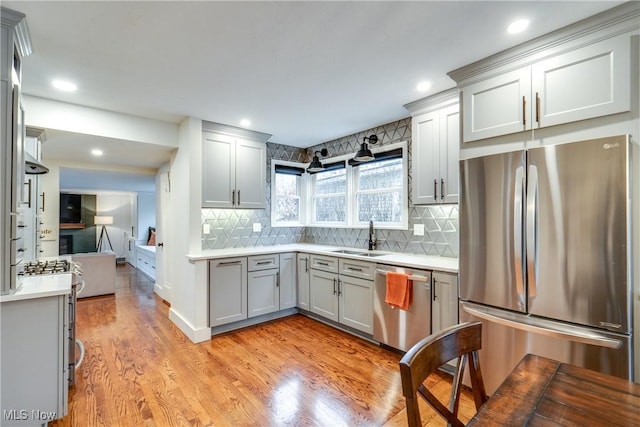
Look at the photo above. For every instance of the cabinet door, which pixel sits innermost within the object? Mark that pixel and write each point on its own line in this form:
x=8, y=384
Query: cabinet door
x=262, y=293
x=227, y=290
x=425, y=157
x=323, y=294
x=288, y=289
x=445, y=301
x=303, y=281
x=449, y=154
x=251, y=174
x=589, y=82
x=497, y=106
x=356, y=303
x=218, y=170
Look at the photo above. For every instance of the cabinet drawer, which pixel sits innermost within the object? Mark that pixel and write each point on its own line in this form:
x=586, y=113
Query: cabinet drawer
x=263, y=262
x=364, y=270
x=324, y=263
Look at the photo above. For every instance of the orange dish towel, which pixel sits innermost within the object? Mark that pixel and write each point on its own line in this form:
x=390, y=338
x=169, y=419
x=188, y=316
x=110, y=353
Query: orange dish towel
x=398, y=290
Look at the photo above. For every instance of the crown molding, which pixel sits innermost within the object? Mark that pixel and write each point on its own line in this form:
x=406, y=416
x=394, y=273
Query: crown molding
x=609, y=23
x=434, y=102
x=234, y=131
x=18, y=21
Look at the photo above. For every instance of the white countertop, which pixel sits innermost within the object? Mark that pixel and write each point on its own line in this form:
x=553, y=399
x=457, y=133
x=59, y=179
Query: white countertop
x=393, y=258
x=41, y=286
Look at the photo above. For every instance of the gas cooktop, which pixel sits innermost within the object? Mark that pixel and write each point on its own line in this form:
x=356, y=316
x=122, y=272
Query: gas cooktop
x=34, y=268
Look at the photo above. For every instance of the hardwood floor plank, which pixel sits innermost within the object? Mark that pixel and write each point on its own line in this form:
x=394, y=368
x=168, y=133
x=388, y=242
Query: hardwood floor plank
x=140, y=370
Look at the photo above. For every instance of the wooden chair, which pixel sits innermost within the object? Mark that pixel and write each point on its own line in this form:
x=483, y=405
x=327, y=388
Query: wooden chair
x=460, y=341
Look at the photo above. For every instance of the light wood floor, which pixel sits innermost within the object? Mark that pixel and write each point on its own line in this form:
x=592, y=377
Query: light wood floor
x=140, y=370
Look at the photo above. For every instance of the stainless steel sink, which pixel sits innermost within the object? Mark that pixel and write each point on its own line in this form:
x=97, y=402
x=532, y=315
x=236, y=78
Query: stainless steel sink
x=357, y=253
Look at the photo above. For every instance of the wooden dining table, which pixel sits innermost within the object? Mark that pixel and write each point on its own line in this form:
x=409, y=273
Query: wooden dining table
x=545, y=392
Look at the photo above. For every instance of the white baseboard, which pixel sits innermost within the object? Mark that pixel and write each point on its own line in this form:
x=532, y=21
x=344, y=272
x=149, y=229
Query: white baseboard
x=195, y=335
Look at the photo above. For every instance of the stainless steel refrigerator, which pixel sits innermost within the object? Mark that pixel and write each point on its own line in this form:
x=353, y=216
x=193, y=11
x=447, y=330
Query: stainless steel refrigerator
x=545, y=255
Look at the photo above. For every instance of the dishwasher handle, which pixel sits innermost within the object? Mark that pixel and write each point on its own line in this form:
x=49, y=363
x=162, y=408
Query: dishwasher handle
x=412, y=277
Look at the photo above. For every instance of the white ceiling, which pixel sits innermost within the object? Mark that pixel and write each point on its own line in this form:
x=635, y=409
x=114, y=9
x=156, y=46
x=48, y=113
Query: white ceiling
x=305, y=72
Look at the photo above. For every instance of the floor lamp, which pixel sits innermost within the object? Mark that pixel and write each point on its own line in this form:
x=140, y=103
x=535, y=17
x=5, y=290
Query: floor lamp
x=103, y=221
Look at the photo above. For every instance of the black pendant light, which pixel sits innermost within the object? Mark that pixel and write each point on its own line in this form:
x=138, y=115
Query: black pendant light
x=316, y=165
x=364, y=154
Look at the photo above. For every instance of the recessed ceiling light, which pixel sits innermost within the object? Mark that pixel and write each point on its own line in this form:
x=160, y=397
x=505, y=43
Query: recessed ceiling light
x=518, y=26
x=97, y=152
x=423, y=86
x=245, y=122
x=63, y=85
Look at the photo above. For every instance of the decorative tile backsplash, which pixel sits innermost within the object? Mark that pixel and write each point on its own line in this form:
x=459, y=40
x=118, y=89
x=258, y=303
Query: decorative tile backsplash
x=231, y=228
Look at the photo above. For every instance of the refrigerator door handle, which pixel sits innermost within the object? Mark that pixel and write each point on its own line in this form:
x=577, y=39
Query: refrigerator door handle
x=517, y=232
x=532, y=230
x=541, y=327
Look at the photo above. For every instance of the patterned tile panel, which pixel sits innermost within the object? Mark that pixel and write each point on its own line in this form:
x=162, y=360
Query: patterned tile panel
x=232, y=228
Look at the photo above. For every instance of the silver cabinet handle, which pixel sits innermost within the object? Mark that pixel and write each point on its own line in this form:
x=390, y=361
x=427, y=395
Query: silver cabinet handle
x=306, y=265
x=263, y=262
x=524, y=109
x=322, y=263
x=339, y=287
x=233, y=197
x=435, y=189
x=537, y=108
x=238, y=197
x=278, y=279
x=442, y=188
x=230, y=263
x=354, y=269
x=334, y=286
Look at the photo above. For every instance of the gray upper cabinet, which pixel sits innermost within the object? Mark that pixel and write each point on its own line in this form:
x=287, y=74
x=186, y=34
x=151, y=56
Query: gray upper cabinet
x=234, y=169
x=435, y=129
x=578, y=84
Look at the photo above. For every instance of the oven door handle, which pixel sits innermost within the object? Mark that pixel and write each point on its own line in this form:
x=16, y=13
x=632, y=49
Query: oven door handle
x=81, y=347
x=82, y=285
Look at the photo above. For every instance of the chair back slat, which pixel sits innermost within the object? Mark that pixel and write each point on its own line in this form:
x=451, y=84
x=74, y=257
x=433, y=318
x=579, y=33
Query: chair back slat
x=428, y=355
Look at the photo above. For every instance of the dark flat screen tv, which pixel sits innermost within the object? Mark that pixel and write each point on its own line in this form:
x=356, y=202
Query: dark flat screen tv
x=70, y=208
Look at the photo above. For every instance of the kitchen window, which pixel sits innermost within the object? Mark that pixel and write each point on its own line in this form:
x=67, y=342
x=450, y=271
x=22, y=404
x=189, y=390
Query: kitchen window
x=329, y=195
x=379, y=189
x=287, y=205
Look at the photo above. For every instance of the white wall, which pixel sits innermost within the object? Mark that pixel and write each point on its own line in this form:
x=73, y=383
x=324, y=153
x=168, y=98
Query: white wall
x=189, y=294
x=121, y=207
x=50, y=114
x=146, y=212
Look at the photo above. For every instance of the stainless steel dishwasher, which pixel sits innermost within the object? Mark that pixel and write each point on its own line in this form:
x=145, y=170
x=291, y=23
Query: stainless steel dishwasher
x=398, y=328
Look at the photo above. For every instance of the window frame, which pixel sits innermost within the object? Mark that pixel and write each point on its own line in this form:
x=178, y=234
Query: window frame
x=312, y=196
x=302, y=194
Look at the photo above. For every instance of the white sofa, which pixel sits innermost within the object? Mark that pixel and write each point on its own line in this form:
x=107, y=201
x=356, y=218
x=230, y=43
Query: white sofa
x=98, y=272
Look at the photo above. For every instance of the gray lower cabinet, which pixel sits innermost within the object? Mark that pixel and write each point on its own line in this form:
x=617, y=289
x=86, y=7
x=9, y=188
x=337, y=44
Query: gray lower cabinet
x=303, y=281
x=444, y=304
x=340, y=296
x=288, y=289
x=356, y=303
x=227, y=290
x=323, y=294
x=35, y=360
x=263, y=292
